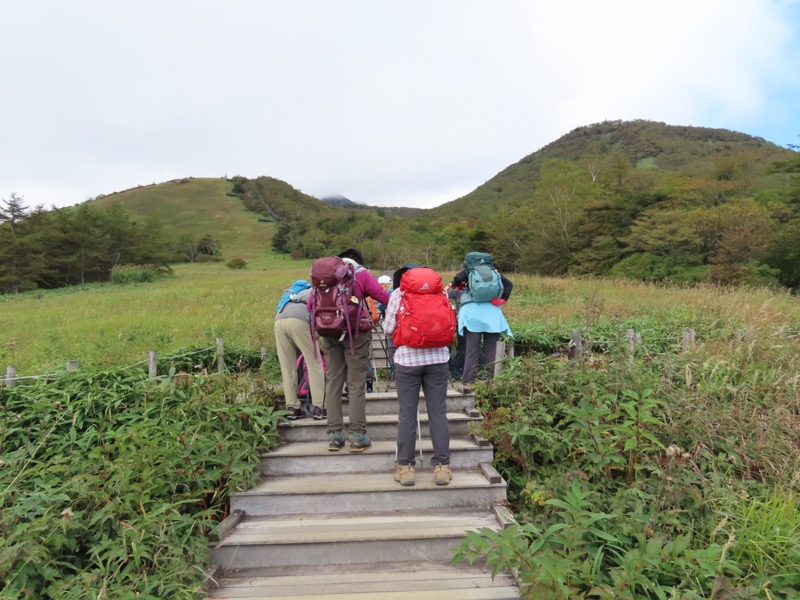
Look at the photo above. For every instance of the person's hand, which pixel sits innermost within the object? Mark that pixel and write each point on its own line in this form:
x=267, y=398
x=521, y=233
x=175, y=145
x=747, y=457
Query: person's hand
x=497, y=301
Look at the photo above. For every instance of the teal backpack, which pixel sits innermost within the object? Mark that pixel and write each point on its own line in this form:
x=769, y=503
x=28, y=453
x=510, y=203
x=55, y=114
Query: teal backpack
x=483, y=280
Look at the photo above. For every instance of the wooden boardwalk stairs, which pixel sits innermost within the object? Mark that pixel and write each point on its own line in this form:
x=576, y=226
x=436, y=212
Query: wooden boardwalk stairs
x=336, y=525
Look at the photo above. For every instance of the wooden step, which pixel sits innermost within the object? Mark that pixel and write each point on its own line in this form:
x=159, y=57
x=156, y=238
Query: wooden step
x=312, y=540
x=385, y=403
x=326, y=524
x=300, y=458
x=421, y=581
x=380, y=427
x=370, y=492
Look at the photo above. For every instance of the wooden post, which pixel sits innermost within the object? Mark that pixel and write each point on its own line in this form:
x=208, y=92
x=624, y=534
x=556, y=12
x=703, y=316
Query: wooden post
x=575, y=345
x=220, y=355
x=11, y=376
x=688, y=340
x=634, y=339
x=499, y=356
x=152, y=364
x=72, y=365
x=263, y=354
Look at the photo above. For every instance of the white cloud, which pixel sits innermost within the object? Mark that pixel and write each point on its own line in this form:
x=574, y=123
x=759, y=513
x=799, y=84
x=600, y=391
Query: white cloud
x=383, y=102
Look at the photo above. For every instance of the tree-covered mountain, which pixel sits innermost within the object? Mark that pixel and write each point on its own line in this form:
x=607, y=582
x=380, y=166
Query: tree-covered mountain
x=637, y=199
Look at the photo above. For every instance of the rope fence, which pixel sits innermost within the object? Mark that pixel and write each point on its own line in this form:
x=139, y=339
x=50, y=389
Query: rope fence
x=11, y=377
x=505, y=350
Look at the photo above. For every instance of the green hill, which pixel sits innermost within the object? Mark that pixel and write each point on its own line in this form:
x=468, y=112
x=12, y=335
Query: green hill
x=194, y=207
x=642, y=146
x=626, y=198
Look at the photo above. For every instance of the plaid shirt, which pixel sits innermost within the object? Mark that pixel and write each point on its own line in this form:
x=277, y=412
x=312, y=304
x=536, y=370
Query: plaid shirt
x=405, y=356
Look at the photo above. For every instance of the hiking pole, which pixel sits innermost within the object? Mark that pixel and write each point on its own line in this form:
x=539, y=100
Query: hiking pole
x=419, y=433
x=384, y=347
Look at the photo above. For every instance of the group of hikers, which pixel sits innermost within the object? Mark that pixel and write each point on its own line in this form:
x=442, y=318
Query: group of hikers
x=329, y=321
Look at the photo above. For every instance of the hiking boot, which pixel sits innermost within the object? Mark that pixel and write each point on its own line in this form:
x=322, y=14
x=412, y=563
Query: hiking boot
x=359, y=442
x=442, y=474
x=297, y=413
x=335, y=441
x=404, y=474
x=319, y=413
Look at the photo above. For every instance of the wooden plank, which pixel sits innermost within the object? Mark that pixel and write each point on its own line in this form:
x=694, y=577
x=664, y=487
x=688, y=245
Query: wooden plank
x=310, y=586
x=498, y=593
x=385, y=446
x=327, y=483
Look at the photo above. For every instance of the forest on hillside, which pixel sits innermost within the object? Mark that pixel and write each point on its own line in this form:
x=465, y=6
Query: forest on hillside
x=638, y=199
x=46, y=249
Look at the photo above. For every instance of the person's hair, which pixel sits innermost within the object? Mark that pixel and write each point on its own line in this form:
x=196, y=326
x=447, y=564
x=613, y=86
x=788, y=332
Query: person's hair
x=354, y=254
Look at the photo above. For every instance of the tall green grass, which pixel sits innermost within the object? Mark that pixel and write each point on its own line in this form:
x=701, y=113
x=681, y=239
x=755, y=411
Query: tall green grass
x=112, y=325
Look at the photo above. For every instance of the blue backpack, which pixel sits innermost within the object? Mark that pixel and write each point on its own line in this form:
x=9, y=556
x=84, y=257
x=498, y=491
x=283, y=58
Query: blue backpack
x=483, y=280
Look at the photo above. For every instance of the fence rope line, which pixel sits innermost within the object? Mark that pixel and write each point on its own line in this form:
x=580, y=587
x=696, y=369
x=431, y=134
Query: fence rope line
x=141, y=362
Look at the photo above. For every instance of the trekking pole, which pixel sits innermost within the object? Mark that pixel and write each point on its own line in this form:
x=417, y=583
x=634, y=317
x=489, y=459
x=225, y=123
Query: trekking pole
x=419, y=433
x=381, y=336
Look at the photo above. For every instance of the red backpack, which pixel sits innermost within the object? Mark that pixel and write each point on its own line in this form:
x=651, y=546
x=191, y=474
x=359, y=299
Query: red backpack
x=336, y=307
x=425, y=318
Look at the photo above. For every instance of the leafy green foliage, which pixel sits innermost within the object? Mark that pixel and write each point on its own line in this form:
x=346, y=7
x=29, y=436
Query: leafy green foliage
x=236, y=263
x=631, y=477
x=109, y=483
x=50, y=249
x=138, y=273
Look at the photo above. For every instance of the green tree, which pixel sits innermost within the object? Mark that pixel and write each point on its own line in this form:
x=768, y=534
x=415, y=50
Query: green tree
x=21, y=261
x=783, y=254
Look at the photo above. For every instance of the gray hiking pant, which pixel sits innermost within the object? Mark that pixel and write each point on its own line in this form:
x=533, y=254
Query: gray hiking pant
x=341, y=365
x=433, y=381
x=477, y=357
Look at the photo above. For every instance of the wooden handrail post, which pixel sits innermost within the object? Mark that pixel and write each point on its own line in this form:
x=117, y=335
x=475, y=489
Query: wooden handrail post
x=688, y=339
x=152, y=364
x=499, y=356
x=575, y=345
x=220, y=355
x=11, y=376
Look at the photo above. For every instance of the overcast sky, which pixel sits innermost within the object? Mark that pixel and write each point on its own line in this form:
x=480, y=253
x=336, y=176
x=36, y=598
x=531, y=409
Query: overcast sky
x=387, y=102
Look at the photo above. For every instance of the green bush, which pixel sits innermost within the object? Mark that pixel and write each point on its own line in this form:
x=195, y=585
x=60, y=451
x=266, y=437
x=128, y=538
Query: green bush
x=236, y=263
x=645, y=475
x=109, y=482
x=137, y=273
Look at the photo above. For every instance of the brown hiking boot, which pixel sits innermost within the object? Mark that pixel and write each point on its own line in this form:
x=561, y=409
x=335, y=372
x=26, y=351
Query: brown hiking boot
x=442, y=474
x=404, y=474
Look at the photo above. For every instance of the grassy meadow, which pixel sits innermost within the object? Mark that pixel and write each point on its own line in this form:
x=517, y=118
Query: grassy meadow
x=641, y=470
x=112, y=325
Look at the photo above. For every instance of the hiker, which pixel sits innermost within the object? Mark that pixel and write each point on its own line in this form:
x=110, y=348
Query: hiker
x=388, y=344
x=386, y=283
x=293, y=335
x=457, y=359
x=480, y=318
x=347, y=360
x=421, y=365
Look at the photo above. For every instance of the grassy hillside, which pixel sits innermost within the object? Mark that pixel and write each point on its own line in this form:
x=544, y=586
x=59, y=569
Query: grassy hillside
x=697, y=152
x=105, y=324
x=197, y=206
